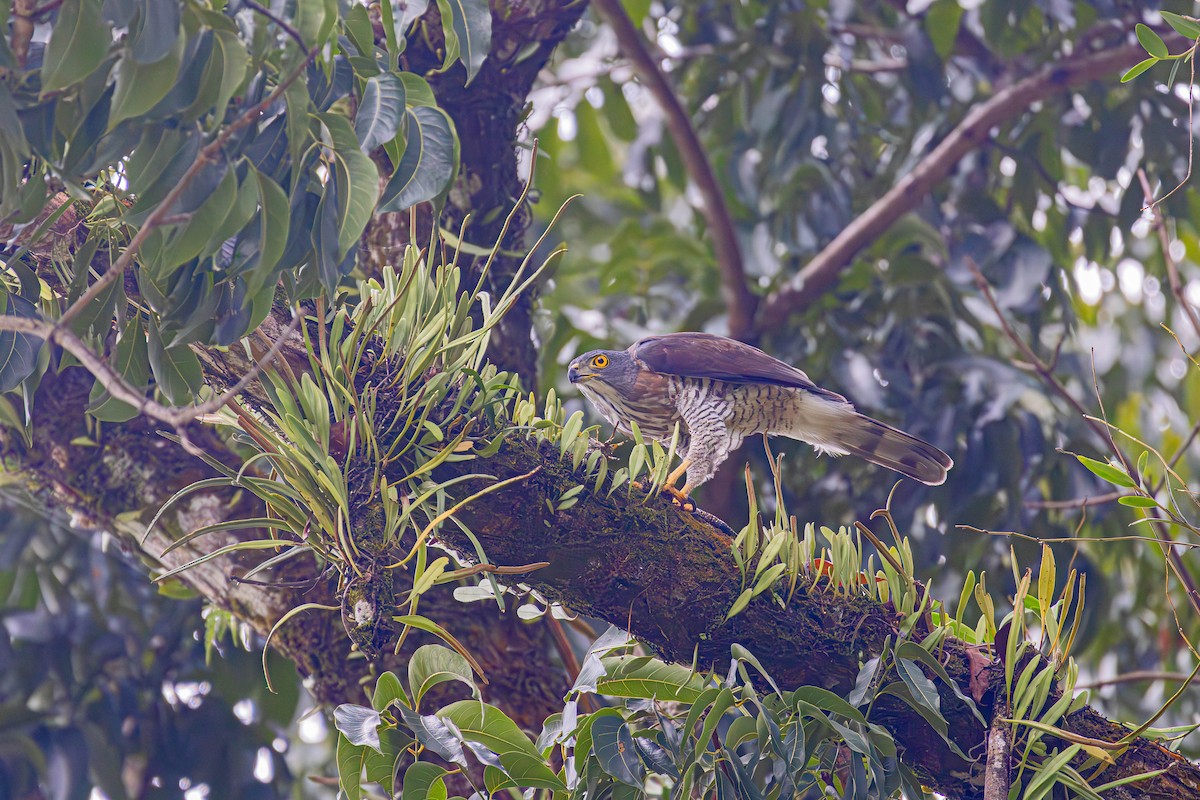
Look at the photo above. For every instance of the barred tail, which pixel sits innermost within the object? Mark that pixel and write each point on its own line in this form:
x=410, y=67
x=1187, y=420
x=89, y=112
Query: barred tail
x=888, y=447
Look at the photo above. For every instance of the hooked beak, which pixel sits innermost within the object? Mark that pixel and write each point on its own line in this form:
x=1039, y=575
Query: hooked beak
x=573, y=374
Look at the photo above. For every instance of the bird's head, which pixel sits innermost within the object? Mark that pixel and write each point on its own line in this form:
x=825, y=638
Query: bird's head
x=614, y=369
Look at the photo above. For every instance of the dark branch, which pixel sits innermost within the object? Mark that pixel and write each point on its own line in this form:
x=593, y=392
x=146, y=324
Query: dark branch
x=819, y=275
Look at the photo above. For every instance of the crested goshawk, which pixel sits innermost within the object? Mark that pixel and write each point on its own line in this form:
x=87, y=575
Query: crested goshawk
x=721, y=391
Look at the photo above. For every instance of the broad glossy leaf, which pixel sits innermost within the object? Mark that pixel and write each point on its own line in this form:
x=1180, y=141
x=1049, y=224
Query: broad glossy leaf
x=489, y=726
x=923, y=690
x=381, y=765
x=132, y=363
x=428, y=162
x=423, y=781
x=436, y=733
x=12, y=135
x=18, y=351
x=192, y=236
x=156, y=28
x=77, y=46
x=314, y=20
x=350, y=765
x=616, y=751
x=273, y=233
x=651, y=679
x=417, y=91
x=380, y=111
x=827, y=701
x=176, y=370
x=432, y=664
x=359, y=181
x=235, y=61
x=139, y=86
x=387, y=691
x=359, y=724
x=468, y=28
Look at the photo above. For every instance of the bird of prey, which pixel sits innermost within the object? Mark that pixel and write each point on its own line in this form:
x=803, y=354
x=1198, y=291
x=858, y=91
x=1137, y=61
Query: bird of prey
x=721, y=391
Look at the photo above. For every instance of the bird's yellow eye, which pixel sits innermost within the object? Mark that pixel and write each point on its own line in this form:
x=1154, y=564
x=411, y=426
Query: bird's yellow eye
x=600, y=362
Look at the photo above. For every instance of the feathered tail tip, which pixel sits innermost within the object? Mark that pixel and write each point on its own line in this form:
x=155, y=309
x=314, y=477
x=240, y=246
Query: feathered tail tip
x=888, y=447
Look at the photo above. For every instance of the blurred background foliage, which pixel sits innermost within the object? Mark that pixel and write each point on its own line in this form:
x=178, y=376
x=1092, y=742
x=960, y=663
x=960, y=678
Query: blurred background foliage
x=809, y=112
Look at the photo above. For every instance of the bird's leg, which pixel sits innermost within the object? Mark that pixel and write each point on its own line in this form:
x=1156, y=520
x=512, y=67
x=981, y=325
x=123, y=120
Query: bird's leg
x=679, y=496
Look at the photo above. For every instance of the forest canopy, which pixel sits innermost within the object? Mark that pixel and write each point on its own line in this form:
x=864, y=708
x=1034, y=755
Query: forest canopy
x=299, y=500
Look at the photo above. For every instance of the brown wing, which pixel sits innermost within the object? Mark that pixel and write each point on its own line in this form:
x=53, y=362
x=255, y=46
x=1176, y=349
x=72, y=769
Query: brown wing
x=705, y=355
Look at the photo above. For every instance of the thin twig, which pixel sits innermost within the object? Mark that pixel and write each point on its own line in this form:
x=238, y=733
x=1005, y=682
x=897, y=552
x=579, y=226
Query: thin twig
x=1079, y=502
x=284, y=26
x=1137, y=676
x=819, y=274
x=1164, y=239
x=740, y=300
x=115, y=384
x=1151, y=202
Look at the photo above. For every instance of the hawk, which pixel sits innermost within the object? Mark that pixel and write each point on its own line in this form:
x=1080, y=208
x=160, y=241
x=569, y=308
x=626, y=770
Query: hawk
x=721, y=391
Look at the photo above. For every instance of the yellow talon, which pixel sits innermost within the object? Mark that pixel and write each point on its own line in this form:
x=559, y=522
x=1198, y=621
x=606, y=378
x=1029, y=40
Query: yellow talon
x=679, y=497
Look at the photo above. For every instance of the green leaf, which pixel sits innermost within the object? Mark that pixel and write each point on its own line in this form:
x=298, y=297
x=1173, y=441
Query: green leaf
x=740, y=603
x=417, y=92
x=387, y=691
x=827, y=701
x=1137, y=501
x=235, y=62
x=381, y=766
x=77, y=46
x=359, y=724
x=923, y=690
x=942, y=20
x=1151, y=41
x=1184, y=26
x=190, y=239
x=488, y=725
x=155, y=30
x=1047, y=775
x=649, y=680
x=139, y=86
x=18, y=351
x=1138, y=69
x=423, y=781
x=273, y=233
x=177, y=370
x=380, y=111
x=360, y=181
x=435, y=733
x=915, y=652
x=742, y=654
x=314, y=20
x=428, y=163
x=350, y=764
x=433, y=664
x=469, y=34
x=616, y=752
x=132, y=363
x=1106, y=471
